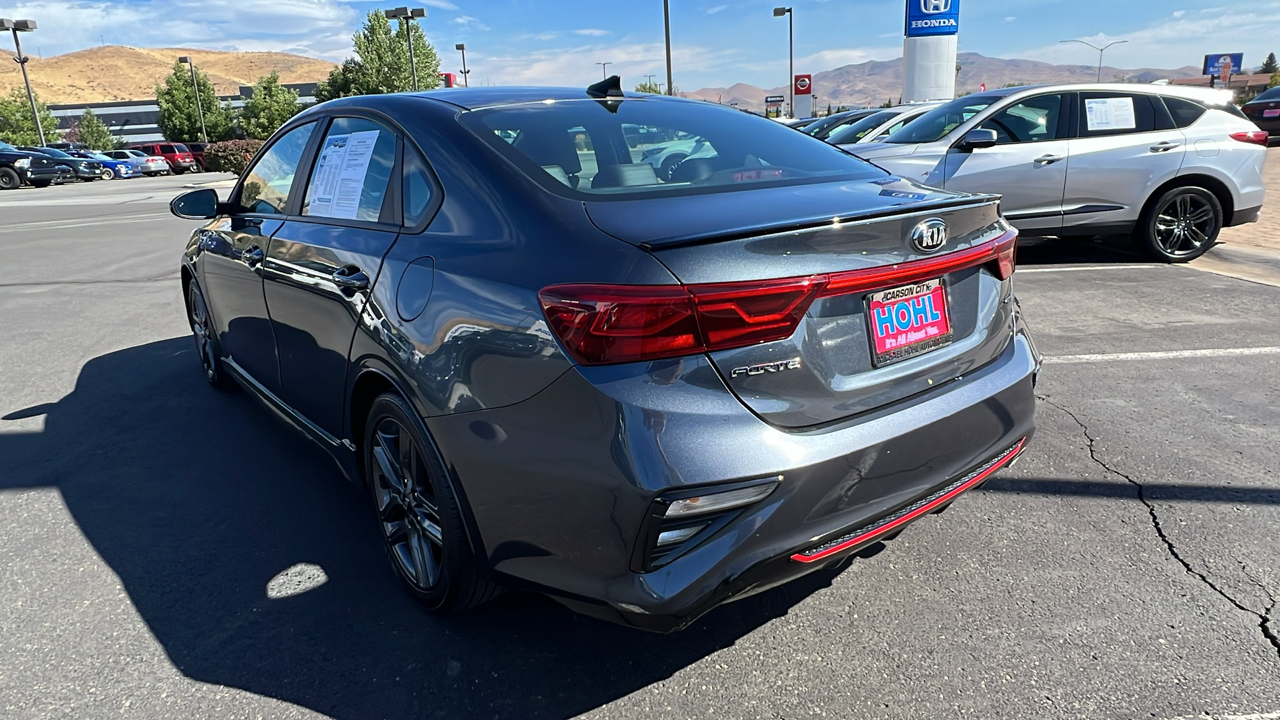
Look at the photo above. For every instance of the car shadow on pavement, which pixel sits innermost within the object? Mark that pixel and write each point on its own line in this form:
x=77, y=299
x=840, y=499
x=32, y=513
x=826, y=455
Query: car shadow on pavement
x=197, y=498
x=1101, y=249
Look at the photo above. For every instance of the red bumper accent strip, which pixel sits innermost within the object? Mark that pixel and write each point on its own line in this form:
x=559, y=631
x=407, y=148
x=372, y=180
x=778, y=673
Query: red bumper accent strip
x=823, y=551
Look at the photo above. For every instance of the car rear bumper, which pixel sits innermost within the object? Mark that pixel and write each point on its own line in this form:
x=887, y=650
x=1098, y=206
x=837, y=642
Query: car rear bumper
x=560, y=487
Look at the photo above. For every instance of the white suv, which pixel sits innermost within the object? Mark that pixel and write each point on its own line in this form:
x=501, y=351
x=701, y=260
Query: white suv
x=1169, y=165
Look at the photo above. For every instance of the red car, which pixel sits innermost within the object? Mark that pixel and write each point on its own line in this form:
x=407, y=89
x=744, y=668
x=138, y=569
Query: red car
x=197, y=152
x=176, y=154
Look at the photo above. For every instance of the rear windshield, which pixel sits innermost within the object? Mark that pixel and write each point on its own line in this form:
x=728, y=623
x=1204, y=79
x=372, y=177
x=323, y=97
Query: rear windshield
x=180, y=148
x=592, y=150
x=1272, y=94
x=935, y=124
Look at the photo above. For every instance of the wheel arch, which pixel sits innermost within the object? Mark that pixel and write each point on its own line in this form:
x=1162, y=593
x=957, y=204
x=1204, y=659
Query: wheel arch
x=1215, y=186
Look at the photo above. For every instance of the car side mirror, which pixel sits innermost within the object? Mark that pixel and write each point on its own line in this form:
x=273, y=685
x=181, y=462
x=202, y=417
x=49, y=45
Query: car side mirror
x=978, y=138
x=199, y=204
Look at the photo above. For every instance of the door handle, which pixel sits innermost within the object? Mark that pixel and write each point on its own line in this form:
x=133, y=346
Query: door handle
x=1048, y=159
x=252, y=255
x=1165, y=146
x=350, y=278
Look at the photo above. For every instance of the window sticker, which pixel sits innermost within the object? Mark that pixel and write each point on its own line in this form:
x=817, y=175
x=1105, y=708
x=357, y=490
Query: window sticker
x=1110, y=114
x=340, y=174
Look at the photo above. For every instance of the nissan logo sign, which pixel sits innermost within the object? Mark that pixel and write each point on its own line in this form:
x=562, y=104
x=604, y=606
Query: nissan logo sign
x=929, y=236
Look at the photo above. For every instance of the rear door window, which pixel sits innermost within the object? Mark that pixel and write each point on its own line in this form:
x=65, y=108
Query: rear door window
x=352, y=173
x=166, y=150
x=1116, y=113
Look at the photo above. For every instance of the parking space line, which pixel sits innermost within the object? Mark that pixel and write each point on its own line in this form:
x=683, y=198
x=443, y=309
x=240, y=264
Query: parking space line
x=18, y=227
x=1161, y=355
x=1083, y=268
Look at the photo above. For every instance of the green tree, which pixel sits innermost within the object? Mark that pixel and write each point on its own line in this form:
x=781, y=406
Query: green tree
x=649, y=87
x=270, y=106
x=381, y=64
x=16, y=125
x=1269, y=66
x=92, y=132
x=1275, y=80
x=179, y=118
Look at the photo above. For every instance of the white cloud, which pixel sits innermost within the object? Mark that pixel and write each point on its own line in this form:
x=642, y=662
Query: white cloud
x=1179, y=13
x=319, y=28
x=1011, y=18
x=1174, y=43
x=575, y=66
x=716, y=9
x=592, y=32
x=469, y=22
x=441, y=4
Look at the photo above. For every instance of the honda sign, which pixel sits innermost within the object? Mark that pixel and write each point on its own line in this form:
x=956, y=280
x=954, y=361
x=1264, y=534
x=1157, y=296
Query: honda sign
x=933, y=17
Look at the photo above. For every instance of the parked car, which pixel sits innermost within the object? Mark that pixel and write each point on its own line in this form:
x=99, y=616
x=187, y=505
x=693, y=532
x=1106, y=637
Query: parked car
x=553, y=369
x=1264, y=111
x=877, y=127
x=176, y=155
x=197, y=152
x=1170, y=165
x=18, y=167
x=664, y=158
x=111, y=168
x=141, y=162
x=799, y=123
x=827, y=125
x=83, y=168
x=67, y=146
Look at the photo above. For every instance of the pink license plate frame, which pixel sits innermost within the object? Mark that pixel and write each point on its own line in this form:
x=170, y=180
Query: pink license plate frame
x=908, y=321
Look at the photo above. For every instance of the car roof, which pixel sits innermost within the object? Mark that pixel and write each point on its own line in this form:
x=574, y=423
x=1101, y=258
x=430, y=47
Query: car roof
x=485, y=97
x=1190, y=92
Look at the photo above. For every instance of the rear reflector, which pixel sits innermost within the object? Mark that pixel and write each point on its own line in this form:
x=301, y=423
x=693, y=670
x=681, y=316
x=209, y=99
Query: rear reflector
x=1256, y=137
x=606, y=324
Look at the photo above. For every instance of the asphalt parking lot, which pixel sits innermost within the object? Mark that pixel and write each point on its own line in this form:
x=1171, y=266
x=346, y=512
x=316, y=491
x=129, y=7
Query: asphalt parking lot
x=1128, y=566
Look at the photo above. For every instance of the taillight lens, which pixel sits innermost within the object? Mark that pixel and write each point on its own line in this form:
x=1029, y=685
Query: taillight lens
x=1256, y=137
x=606, y=324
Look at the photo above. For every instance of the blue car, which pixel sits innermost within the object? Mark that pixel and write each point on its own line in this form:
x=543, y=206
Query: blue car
x=111, y=168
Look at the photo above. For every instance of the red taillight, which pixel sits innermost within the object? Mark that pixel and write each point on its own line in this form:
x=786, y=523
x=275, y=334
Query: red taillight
x=1256, y=137
x=605, y=324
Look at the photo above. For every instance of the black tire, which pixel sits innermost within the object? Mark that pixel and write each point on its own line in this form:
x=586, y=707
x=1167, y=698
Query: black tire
x=9, y=179
x=420, y=518
x=1180, y=225
x=178, y=171
x=206, y=339
x=197, y=168
x=108, y=174
x=669, y=165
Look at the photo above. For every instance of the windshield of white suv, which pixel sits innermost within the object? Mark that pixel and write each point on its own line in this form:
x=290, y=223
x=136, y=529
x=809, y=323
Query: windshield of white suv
x=590, y=150
x=935, y=124
x=856, y=131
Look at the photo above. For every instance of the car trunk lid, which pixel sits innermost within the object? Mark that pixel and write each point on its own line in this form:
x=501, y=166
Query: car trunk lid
x=836, y=364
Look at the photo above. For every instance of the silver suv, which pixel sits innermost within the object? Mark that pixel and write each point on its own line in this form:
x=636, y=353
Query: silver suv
x=1169, y=165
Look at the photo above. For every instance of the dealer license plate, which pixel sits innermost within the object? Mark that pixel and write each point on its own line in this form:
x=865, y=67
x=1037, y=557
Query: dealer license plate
x=1271, y=113
x=908, y=321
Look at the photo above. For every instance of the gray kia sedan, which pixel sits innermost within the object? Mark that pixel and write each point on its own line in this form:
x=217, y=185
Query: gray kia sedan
x=554, y=369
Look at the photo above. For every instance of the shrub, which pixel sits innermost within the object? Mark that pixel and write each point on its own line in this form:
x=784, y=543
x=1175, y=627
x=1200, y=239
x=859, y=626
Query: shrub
x=231, y=156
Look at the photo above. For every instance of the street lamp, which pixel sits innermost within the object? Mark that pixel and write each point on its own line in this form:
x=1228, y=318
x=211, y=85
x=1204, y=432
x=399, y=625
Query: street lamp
x=462, y=48
x=18, y=26
x=1099, y=49
x=204, y=136
x=407, y=15
x=791, y=54
x=604, y=69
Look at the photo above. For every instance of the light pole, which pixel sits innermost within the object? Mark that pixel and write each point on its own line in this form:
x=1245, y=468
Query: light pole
x=1099, y=49
x=462, y=48
x=666, y=24
x=604, y=69
x=18, y=26
x=204, y=136
x=648, y=81
x=791, y=55
x=408, y=15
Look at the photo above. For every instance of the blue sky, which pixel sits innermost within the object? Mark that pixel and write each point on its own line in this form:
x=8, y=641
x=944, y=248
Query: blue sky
x=717, y=42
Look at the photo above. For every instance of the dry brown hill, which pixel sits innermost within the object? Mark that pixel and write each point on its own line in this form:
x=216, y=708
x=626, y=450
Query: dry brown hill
x=116, y=72
x=875, y=82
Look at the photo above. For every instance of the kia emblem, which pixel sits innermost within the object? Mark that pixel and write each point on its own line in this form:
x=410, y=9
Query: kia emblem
x=929, y=236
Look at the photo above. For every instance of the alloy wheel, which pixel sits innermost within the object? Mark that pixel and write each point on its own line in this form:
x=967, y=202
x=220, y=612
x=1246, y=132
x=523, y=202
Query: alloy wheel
x=202, y=329
x=1184, y=225
x=407, y=506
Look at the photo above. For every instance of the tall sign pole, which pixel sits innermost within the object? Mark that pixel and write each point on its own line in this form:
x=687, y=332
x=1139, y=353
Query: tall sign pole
x=25, y=26
x=666, y=22
x=929, y=50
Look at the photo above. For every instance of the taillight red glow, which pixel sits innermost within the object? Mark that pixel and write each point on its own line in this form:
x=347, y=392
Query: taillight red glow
x=1257, y=137
x=606, y=324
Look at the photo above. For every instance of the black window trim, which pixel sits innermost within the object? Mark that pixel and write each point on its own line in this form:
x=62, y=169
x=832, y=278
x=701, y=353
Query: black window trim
x=1003, y=104
x=233, y=200
x=433, y=180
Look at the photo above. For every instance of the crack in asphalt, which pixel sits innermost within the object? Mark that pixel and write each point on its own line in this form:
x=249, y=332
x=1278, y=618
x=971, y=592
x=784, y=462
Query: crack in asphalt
x=1264, y=618
x=126, y=281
